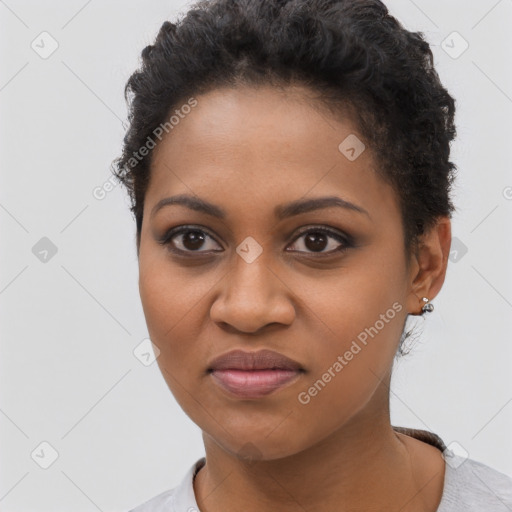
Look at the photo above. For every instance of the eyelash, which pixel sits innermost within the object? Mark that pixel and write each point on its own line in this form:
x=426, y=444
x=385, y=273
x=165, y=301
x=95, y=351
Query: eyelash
x=345, y=239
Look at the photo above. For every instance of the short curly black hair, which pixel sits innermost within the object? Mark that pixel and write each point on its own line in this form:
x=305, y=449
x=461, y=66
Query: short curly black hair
x=352, y=53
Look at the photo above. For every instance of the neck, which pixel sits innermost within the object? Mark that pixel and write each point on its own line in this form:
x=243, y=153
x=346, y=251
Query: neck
x=362, y=466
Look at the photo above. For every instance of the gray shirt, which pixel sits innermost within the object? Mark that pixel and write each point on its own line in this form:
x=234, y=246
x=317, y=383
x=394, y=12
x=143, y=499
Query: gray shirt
x=469, y=486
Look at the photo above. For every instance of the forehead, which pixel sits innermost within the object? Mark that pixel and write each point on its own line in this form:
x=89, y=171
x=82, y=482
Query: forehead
x=247, y=146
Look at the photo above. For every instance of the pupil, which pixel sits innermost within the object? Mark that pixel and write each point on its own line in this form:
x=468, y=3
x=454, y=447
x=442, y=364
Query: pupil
x=193, y=240
x=315, y=241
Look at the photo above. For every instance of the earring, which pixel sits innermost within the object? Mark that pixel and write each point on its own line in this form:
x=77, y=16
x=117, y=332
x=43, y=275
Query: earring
x=427, y=307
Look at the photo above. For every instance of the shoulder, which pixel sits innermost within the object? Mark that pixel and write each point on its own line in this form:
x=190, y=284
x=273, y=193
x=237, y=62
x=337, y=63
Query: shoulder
x=180, y=498
x=469, y=485
x=472, y=486
x=163, y=501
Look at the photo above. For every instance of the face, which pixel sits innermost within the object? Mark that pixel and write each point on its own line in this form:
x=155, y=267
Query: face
x=324, y=285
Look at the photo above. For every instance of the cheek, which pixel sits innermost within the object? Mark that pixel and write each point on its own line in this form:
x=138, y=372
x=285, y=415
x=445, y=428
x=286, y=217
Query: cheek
x=170, y=318
x=352, y=362
x=348, y=375
x=365, y=303
x=356, y=329
x=174, y=301
x=171, y=306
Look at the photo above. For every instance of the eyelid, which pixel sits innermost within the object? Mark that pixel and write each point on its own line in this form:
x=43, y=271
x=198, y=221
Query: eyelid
x=333, y=232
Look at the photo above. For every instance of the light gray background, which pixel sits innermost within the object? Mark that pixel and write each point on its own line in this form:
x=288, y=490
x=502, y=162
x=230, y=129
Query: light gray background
x=69, y=326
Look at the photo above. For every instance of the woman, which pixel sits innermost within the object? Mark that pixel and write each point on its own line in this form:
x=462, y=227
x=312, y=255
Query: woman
x=288, y=165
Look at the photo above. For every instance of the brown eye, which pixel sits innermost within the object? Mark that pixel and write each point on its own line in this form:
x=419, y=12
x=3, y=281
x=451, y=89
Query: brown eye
x=317, y=240
x=186, y=240
x=193, y=240
x=189, y=239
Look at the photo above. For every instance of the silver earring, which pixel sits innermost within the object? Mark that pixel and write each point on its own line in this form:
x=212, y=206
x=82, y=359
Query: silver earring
x=427, y=307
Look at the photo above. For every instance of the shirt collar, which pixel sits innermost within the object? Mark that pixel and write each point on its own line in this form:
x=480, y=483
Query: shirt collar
x=184, y=497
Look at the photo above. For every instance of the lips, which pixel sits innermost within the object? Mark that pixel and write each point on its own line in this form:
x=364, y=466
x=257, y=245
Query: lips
x=253, y=374
x=261, y=360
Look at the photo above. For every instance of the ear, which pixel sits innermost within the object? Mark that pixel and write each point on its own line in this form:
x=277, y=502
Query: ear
x=429, y=264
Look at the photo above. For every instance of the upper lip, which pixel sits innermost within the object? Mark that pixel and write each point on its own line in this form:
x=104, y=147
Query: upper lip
x=260, y=360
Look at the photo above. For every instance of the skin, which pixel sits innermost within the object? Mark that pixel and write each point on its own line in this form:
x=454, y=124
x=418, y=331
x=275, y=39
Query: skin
x=247, y=150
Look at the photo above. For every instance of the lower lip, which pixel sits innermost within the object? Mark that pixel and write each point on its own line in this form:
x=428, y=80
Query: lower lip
x=253, y=383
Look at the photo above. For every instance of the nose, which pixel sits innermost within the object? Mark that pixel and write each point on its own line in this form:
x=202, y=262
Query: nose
x=252, y=296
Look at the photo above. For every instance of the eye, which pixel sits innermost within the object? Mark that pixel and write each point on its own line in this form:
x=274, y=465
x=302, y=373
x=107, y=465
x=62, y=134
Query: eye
x=316, y=240
x=190, y=239
x=186, y=239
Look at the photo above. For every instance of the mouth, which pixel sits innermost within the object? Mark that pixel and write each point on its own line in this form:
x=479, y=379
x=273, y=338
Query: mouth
x=253, y=374
x=253, y=383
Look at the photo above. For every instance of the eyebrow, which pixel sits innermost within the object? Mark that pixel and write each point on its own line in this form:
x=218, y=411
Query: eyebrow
x=282, y=211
